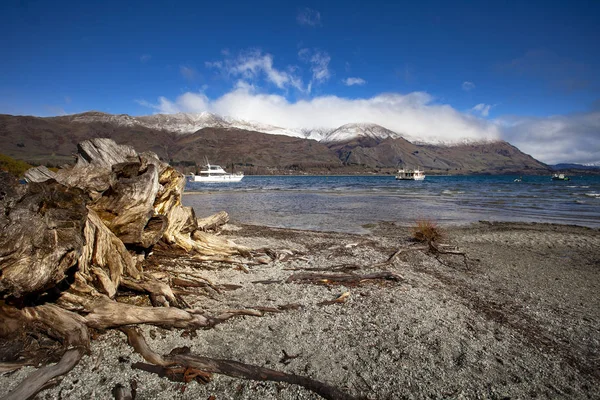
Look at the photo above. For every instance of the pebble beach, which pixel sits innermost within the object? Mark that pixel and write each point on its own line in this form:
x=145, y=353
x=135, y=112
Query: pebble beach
x=517, y=317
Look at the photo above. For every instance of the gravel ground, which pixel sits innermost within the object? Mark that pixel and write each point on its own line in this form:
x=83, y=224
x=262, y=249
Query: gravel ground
x=519, y=318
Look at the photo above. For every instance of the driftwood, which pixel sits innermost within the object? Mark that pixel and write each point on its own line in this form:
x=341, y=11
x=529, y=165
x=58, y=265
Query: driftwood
x=69, y=328
x=213, y=222
x=342, y=279
x=41, y=238
x=342, y=298
x=438, y=249
x=73, y=241
x=184, y=359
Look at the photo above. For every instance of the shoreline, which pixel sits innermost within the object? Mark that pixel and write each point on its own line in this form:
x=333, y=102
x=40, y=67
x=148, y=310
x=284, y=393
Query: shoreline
x=520, y=318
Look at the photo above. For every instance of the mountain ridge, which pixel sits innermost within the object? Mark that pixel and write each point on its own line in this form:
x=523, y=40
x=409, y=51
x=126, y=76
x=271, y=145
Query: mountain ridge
x=188, y=123
x=53, y=140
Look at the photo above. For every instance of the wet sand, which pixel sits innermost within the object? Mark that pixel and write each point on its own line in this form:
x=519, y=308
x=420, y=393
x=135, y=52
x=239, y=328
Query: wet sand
x=519, y=319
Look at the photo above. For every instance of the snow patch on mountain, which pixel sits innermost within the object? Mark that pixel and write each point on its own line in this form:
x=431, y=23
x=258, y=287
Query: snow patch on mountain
x=183, y=123
x=187, y=123
x=352, y=131
x=437, y=141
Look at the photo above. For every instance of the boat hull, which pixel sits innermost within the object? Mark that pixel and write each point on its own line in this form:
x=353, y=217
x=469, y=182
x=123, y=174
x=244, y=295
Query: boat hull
x=216, y=179
x=560, y=177
x=410, y=178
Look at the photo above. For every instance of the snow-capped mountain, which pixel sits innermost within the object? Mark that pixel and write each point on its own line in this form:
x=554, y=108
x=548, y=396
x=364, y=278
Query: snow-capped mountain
x=315, y=133
x=442, y=142
x=187, y=123
x=264, y=128
x=54, y=138
x=352, y=131
x=183, y=123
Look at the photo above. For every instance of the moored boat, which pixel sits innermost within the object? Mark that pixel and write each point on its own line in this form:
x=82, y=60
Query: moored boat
x=560, y=177
x=215, y=174
x=410, y=175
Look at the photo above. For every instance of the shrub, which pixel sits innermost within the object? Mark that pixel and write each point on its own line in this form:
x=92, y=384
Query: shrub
x=426, y=231
x=14, y=167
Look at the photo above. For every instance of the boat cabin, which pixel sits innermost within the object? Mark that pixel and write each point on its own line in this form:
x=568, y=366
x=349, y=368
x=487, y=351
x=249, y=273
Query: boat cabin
x=410, y=175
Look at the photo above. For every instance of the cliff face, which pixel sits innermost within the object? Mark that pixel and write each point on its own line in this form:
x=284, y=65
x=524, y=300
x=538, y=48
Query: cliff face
x=53, y=141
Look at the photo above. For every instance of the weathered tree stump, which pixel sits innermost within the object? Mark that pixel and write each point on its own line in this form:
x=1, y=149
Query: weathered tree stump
x=41, y=237
x=72, y=241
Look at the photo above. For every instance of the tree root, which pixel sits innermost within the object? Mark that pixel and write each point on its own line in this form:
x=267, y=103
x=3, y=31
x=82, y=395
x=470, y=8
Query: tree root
x=336, y=268
x=394, y=256
x=213, y=222
x=106, y=315
x=287, y=358
x=437, y=249
x=38, y=379
x=434, y=248
x=100, y=220
x=184, y=359
x=65, y=326
x=343, y=279
x=175, y=374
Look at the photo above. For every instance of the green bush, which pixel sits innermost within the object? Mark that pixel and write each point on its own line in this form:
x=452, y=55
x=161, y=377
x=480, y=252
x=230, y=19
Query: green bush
x=12, y=166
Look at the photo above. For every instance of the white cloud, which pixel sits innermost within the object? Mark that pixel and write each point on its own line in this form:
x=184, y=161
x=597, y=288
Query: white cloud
x=556, y=139
x=320, y=68
x=468, y=86
x=164, y=106
x=193, y=101
x=319, y=65
x=144, y=58
x=483, y=109
x=415, y=114
x=353, y=81
x=253, y=65
x=309, y=17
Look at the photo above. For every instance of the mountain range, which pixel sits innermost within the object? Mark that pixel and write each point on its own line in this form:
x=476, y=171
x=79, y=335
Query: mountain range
x=575, y=167
x=187, y=139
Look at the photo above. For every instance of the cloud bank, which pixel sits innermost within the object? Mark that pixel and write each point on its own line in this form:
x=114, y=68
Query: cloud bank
x=416, y=115
x=556, y=139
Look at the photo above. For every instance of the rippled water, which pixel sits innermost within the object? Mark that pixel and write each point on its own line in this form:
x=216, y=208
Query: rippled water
x=347, y=203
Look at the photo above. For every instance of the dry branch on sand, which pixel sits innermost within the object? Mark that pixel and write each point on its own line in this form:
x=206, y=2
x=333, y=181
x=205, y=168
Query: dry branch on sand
x=72, y=249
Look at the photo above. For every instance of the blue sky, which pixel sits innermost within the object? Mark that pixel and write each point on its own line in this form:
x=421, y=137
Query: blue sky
x=526, y=72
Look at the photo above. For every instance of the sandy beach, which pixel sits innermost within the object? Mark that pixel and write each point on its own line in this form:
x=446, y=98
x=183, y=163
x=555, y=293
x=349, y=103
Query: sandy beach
x=519, y=317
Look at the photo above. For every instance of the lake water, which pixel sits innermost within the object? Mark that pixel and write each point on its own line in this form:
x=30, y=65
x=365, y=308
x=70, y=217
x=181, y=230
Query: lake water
x=347, y=203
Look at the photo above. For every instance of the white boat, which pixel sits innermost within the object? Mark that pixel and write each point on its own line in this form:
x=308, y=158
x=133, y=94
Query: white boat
x=215, y=174
x=410, y=175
